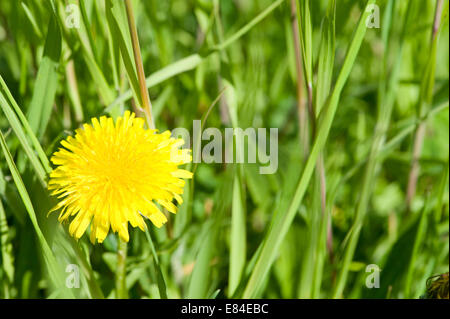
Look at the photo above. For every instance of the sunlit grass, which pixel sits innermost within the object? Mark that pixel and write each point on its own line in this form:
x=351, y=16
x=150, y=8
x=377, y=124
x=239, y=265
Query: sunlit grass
x=362, y=177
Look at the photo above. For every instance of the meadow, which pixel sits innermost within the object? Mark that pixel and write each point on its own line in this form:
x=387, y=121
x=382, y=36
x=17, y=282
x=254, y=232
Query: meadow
x=358, y=92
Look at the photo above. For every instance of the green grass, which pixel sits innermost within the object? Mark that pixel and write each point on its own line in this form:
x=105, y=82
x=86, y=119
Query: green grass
x=363, y=123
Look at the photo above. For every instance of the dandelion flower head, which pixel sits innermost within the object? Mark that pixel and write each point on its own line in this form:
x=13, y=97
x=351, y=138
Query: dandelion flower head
x=110, y=174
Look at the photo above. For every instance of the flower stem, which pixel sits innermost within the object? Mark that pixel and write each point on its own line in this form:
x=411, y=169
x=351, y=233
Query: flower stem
x=145, y=98
x=121, y=287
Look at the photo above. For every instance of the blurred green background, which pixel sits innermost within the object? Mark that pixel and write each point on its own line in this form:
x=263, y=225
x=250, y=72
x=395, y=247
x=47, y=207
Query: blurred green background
x=398, y=85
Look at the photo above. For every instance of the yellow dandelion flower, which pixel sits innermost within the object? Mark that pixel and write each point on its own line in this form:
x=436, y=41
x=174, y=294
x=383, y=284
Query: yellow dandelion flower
x=110, y=174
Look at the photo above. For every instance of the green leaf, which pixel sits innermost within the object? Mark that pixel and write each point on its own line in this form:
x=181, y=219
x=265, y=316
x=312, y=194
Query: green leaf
x=19, y=131
x=117, y=23
x=54, y=270
x=46, y=82
x=199, y=281
x=238, y=237
x=326, y=57
x=283, y=219
x=191, y=62
x=14, y=120
x=305, y=27
x=6, y=246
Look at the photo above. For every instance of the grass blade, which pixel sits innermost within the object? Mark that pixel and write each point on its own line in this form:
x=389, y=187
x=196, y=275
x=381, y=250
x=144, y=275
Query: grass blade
x=238, y=235
x=191, y=62
x=385, y=105
x=161, y=282
x=18, y=130
x=6, y=250
x=53, y=267
x=46, y=82
x=283, y=220
x=117, y=23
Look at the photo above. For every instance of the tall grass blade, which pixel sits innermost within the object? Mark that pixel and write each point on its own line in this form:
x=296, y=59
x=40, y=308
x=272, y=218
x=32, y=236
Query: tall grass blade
x=55, y=273
x=283, y=220
x=44, y=92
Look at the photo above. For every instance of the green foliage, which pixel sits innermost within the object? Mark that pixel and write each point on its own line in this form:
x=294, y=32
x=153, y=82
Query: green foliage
x=379, y=103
